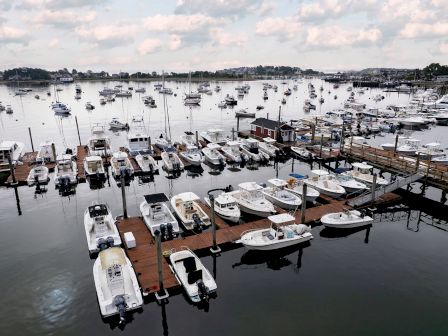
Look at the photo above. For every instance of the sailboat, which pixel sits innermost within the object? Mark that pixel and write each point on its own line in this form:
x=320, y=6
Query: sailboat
x=191, y=98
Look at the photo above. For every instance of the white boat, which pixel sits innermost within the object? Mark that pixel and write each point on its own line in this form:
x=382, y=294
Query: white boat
x=120, y=164
x=94, y=168
x=116, y=284
x=157, y=216
x=278, y=236
x=232, y=150
x=38, y=174
x=192, y=101
x=45, y=152
x=196, y=280
x=296, y=186
x=251, y=200
x=225, y=207
x=140, y=90
x=346, y=219
x=123, y=93
x=443, y=159
x=412, y=121
x=349, y=183
x=267, y=146
x=212, y=154
x=100, y=227
x=324, y=184
x=171, y=161
x=188, y=139
x=9, y=109
x=60, y=108
x=165, y=90
x=146, y=163
x=362, y=172
x=89, y=106
x=66, y=172
x=187, y=208
x=250, y=148
x=214, y=135
x=14, y=150
x=116, y=124
x=222, y=105
x=103, y=101
x=162, y=143
x=138, y=138
x=230, y=100
x=302, y=153
x=410, y=147
x=244, y=114
x=280, y=196
x=99, y=143
x=192, y=155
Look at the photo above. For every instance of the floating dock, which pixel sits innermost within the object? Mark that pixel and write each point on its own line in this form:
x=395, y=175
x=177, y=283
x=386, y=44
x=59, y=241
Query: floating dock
x=21, y=171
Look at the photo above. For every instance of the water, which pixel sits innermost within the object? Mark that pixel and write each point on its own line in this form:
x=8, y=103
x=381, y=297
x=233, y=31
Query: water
x=387, y=280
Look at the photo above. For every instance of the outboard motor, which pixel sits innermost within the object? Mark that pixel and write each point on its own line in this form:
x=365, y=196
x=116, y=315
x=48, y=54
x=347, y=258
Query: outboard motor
x=221, y=161
x=197, y=222
x=102, y=244
x=64, y=184
x=162, y=230
x=169, y=231
x=110, y=241
x=120, y=303
x=176, y=166
x=123, y=172
x=229, y=188
x=202, y=290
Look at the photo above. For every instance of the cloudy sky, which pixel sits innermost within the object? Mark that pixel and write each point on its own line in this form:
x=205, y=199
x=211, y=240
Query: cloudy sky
x=182, y=35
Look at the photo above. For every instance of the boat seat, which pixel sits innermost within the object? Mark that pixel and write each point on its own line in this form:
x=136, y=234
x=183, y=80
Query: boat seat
x=190, y=264
x=194, y=276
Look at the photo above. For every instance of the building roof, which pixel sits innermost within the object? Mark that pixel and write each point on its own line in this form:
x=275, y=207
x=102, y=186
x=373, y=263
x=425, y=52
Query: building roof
x=271, y=124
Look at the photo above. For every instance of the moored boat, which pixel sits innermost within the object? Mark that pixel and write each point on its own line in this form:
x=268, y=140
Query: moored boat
x=346, y=219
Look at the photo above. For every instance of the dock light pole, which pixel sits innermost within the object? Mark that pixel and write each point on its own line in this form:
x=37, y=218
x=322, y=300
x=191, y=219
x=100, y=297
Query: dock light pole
x=53, y=149
x=303, y=210
x=77, y=128
x=31, y=139
x=396, y=144
x=373, y=187
x=123, y=195
x=162, y=294
x=215, y=248
x=197, y=138
x=321, y=144
x=11, y=169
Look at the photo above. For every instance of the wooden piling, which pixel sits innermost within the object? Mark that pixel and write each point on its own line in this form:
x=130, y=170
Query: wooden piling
x=31, y=139
x=77, y=129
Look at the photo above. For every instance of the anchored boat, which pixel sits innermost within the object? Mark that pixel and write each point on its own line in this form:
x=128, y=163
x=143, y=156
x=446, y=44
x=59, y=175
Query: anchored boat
x=346, y=219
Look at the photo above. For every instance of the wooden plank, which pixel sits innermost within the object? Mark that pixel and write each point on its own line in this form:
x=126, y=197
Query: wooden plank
x=22, y=171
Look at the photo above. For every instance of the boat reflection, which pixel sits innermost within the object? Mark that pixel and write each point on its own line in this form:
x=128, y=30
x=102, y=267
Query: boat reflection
x=344, y=233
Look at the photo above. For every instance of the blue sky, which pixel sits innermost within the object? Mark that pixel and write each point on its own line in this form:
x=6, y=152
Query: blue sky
x=188, y=35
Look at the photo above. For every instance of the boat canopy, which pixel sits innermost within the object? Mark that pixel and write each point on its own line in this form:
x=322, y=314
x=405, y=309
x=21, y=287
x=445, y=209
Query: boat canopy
x=233, y=143
x=297, y=176
x=98, y=210
x=269, y=140
x=156, y=198
x=277, y=182
x=250, y=186
x=281, y=218
x=187, y=197
x=112, y=256
x=93, y=158
x=251, y=140
x=213, y=145
x=362, y=165
x=319, y=172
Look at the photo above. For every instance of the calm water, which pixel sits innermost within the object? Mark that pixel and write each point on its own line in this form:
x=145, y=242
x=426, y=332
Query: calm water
x=389, y=280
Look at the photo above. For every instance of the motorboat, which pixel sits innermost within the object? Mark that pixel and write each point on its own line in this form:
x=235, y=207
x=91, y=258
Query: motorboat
x=99, y=143
x=346, y=219
x=265, y=96
x=89, y=106
x=157, y=216
x=60, y=108
x=225, y=207
x=322, y=182
x=212, y=154
x=187, y=208
x=38, y=174
x=118, y=125
x=214, y=135
x=138, y=139
x=192, y=155
x=195, y=278
x=45, y=151
x=66, y=172
x=259, y=107
x=349, y=183
x=282, y=233
x=116, y=284
x=280, y=196
x=232, y=150
x=412, y=121
x=120, y=164
x=103, y=101
x=146, y=163
x=391, y=146
x=123, y=94
x=13, y=150
x=101, y=229
x=162, y=143
x=302, y=153
x=296, y=186
x=267, y=146
x=362, y=172
x=188, y=139
x=410, y=147
x=165, y=90
x=192, y=101
x=230, y=100
x=140, y=90
x=244, y=114
x=78, y=88
x=430, y=150
x=171, y=161
x=94, y=167
x=252, y=201
x=443, y=159
x=149, y=101
x=250, y=148
x=222, y=105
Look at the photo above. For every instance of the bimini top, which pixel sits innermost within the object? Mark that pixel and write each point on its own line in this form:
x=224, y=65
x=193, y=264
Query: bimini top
x=112, y=256
x=214, y=130
x=362, y=165
x=251, y=140
x=96, y=210
x=319, y=172
x=233, y=143
x=213, y=145
x=187, y=197
x=250, y=186
x=269, y=140
x=281, y=218
x=277, y=182
x=156, y=198
x=93, y=158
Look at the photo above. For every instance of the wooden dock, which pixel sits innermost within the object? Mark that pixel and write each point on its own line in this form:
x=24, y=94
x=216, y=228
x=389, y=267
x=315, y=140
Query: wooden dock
x=21, y=171
x=144, y=258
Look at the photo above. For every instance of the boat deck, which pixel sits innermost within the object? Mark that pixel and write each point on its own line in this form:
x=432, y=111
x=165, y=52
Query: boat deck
x=21, y=171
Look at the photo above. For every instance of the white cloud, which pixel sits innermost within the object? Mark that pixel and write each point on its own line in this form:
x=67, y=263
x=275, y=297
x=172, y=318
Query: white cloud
x=149, y=46
x=180, y=23
x=282, y=27
x=175, y=42
x=266, y=8
x=415, y=30
x=53, y=43
x=107, y=35
x=326, y=9
x=336, y=37
x=66, y=18
x=442, y=48
x=218, y=8
x=5, y=5
x=13, y=35
x=221, y=38
x=57, y=4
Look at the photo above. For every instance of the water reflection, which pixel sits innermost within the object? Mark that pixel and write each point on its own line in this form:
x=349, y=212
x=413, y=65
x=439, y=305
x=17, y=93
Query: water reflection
x=344, y=233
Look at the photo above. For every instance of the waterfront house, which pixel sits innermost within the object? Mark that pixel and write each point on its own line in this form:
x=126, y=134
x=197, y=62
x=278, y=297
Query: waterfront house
x=264, y=127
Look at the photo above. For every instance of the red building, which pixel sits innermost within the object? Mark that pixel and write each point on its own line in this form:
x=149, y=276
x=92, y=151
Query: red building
x=263, y=127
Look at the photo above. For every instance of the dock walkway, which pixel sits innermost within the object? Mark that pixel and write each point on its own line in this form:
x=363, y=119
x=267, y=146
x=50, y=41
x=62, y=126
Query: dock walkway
x=22, y=171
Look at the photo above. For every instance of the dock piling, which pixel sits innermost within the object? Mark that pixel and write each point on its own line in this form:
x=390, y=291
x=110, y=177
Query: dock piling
x=303, y=210
x=321, y=145
x=53, y=149
x=373, y=187
x=162, y=294
x=197, y=138
x=31, y=138
x=123, y=195
x=77, y=128
x=215, y=248
x=233, y=133
x=11, y=169
x=396, y=144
